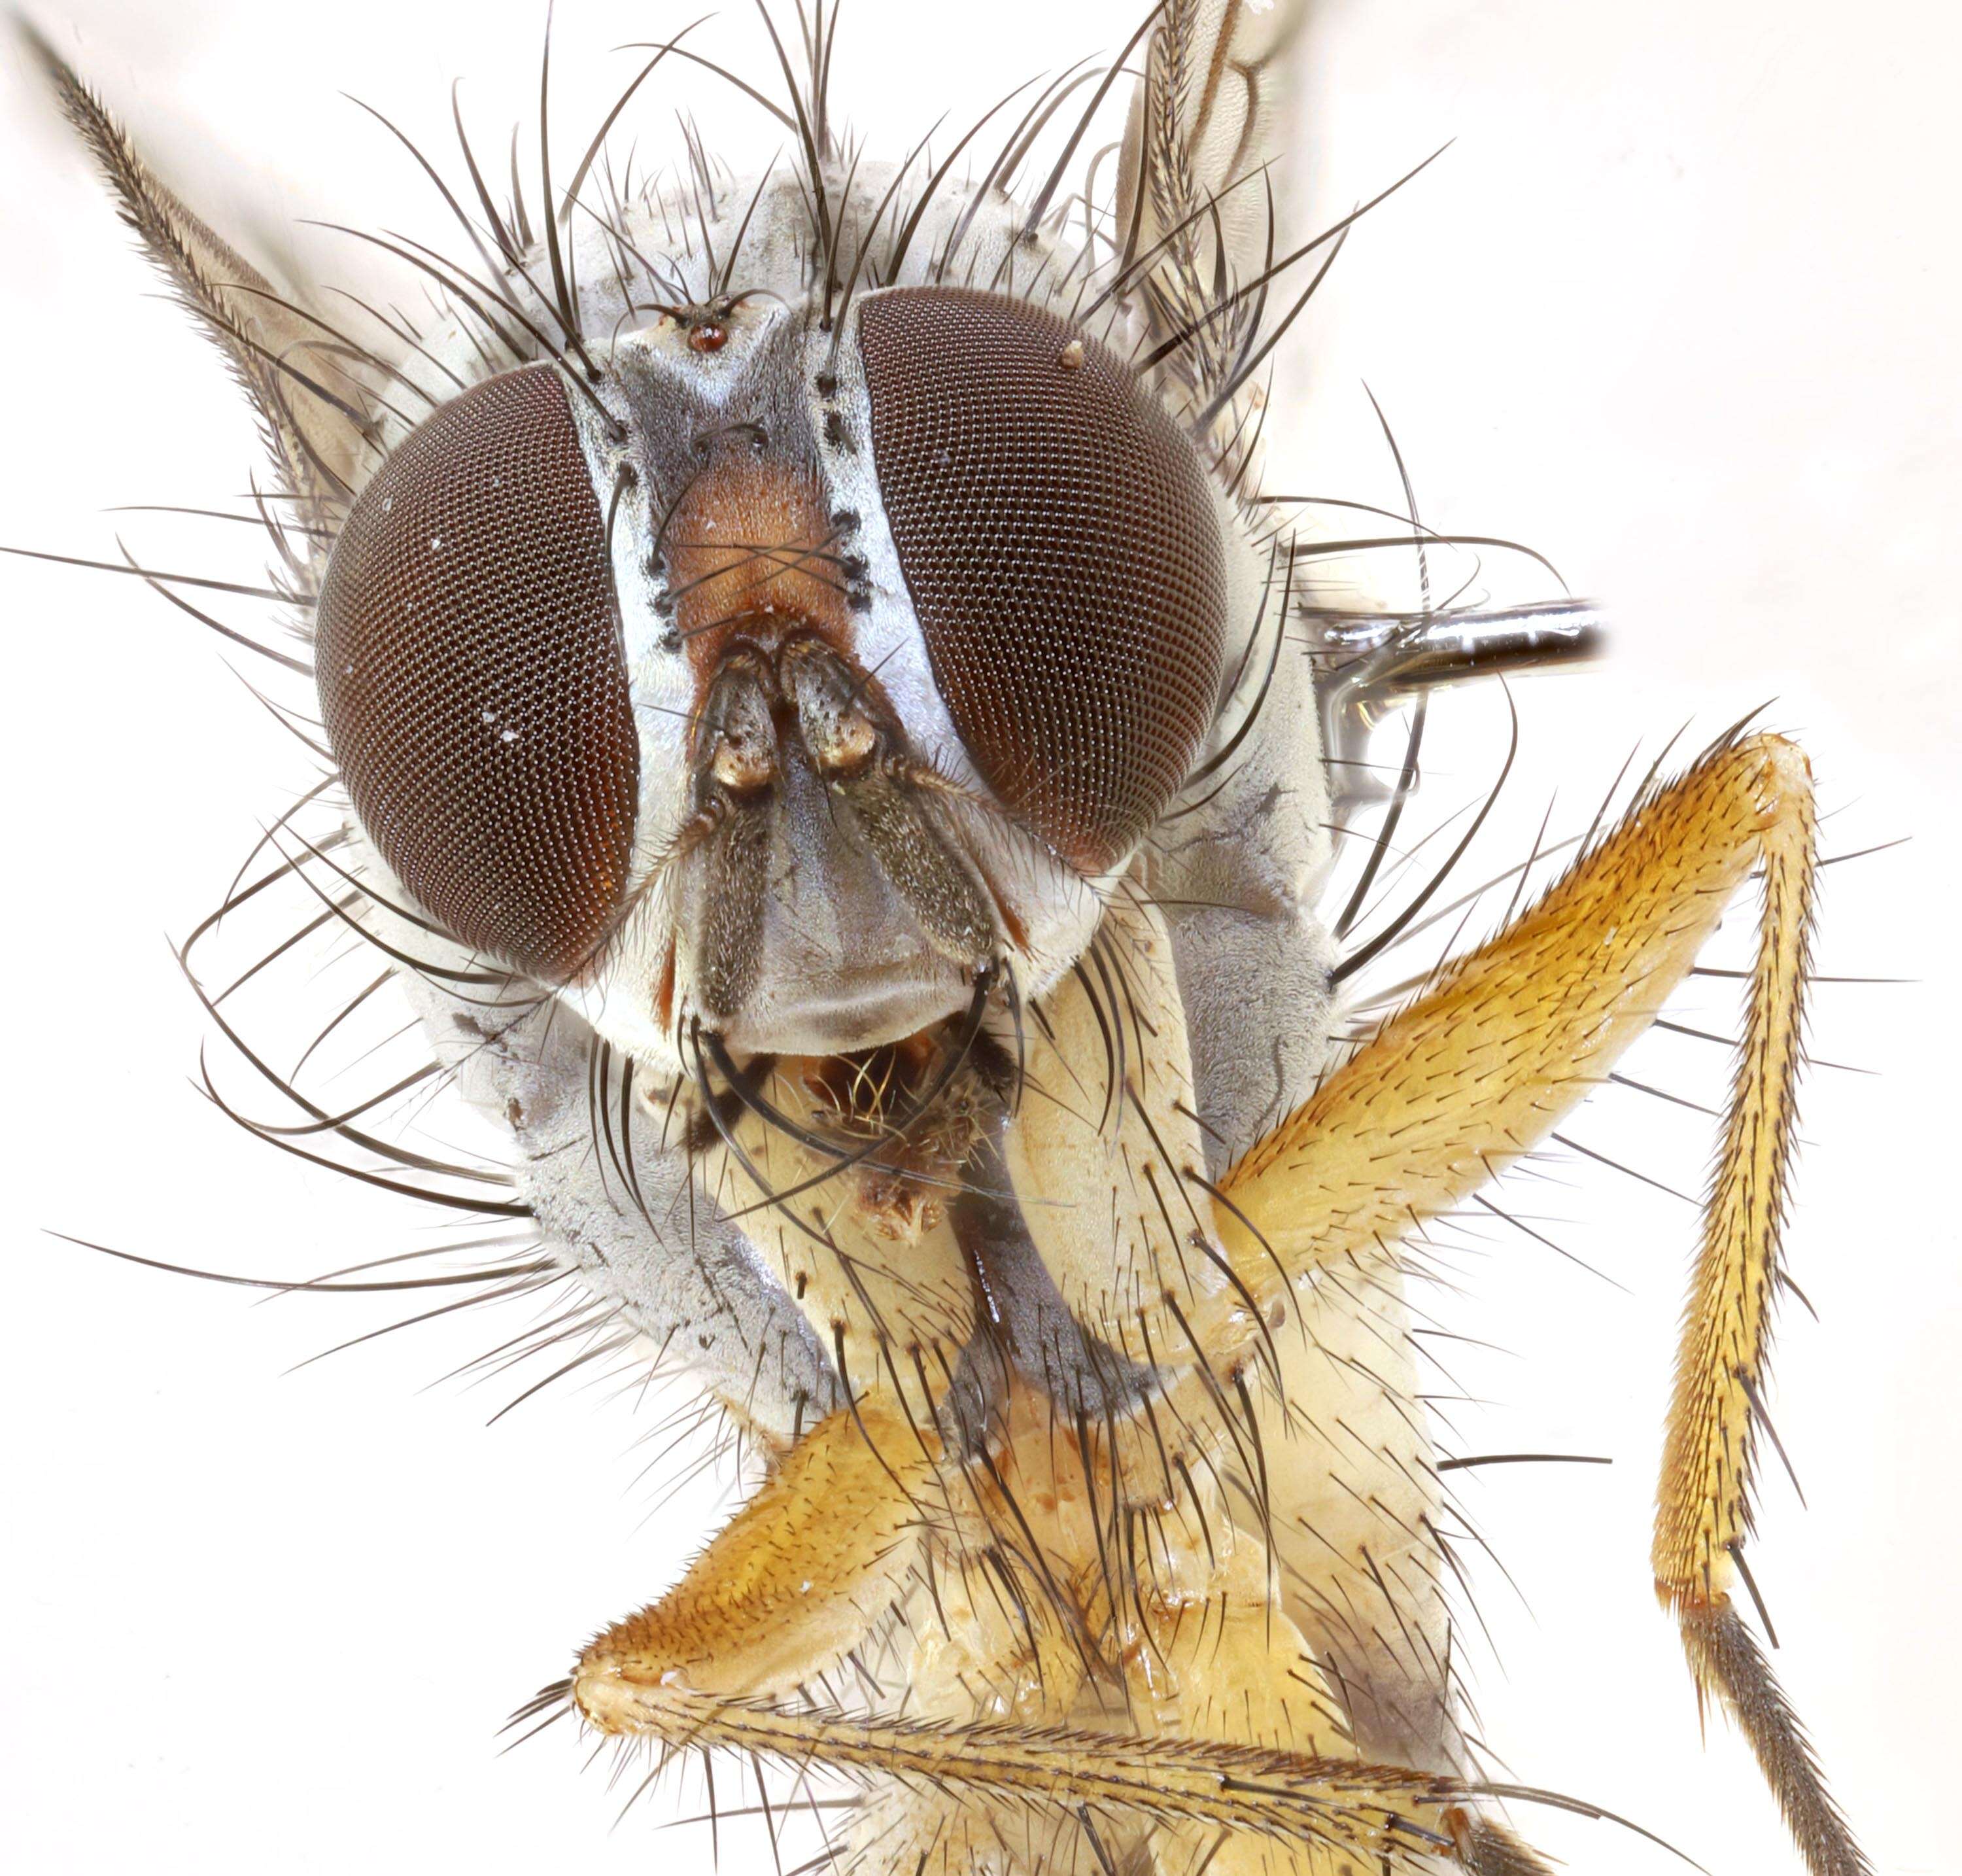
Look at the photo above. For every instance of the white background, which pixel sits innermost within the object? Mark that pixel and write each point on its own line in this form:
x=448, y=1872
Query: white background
x=1678, y=307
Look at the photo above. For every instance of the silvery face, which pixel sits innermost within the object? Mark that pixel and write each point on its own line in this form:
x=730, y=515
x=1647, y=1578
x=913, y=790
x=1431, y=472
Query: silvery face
x=801, y=659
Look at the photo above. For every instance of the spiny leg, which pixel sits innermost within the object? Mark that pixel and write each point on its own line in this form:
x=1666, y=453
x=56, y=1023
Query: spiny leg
x=1526, y=1030
x=1476, y=1846
x=1206, y=1652
x=792, y=1584
x=991, y=1642
x=1703, y=1513
x=1334, y=1494
x=1397, y=1822
x=812, y=1563
x=903, y=1832
x=1478, y=1070
x=1107, y=1129
x=1353, y=1509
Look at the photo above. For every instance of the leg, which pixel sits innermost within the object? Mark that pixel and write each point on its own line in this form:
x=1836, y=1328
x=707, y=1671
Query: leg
x=888, y=1292
x=1478, y=1070
x=1205, y=1649
x=1208, y=1651
x=818, y=1554
x=791, y=1584
x=1101, y=1151
x=1353, y=1502
x=993, y=1645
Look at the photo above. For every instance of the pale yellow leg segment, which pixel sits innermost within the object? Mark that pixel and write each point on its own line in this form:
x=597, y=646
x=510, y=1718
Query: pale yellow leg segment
x=1352, y=1507
x=813, y=1561
x=1481, y=1067
x=906, y=1832
x=1101, y=1149
x=1208, y=1652
x=1193, y=1622
x=888, y=1291
x=990, y=1646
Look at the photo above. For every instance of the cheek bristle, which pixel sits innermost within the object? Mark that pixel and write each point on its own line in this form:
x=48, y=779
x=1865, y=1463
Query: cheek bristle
x=1063, y=554
x=472, y=679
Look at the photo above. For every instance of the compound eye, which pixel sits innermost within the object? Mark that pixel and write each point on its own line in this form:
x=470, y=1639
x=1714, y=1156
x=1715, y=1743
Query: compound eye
x=472, y=679
x=1063, y=554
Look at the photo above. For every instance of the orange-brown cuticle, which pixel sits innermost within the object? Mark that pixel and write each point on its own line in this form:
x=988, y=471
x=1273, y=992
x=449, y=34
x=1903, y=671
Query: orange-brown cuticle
x=752, y=553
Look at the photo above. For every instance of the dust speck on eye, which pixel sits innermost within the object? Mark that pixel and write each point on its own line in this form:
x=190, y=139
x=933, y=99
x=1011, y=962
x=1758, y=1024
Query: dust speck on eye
x=435, y=544
x=1070, y=357
x=489, y=717
x=507, y=735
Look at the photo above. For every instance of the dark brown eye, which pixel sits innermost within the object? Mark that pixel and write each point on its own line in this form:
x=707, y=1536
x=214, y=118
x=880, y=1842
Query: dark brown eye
x=472, y=679
x=1063, y=553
